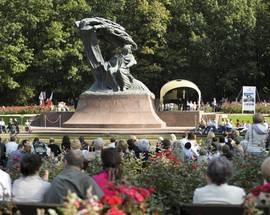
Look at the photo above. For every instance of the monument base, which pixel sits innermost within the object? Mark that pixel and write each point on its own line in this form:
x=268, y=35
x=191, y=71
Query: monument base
x=115, y=111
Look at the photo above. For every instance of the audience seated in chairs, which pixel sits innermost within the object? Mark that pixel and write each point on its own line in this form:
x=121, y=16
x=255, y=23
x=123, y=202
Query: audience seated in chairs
x=71, y=179
x=217, y=191
x=30, y=187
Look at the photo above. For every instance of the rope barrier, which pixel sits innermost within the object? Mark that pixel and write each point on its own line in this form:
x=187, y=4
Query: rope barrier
x=52, y=122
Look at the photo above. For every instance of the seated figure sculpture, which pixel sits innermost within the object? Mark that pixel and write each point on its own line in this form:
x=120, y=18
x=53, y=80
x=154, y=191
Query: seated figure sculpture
x=114, y=74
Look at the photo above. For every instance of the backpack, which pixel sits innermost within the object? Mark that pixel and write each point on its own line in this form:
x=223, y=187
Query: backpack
x=40, y=149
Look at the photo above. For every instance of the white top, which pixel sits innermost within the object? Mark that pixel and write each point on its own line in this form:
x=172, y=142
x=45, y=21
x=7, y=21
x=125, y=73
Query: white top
x=29, y=189
x=223, y=194
x=5, y=185
x=11, y=147
x=111, y=145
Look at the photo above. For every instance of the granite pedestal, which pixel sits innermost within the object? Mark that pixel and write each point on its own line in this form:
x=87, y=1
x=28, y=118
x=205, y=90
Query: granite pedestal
x=115, y=111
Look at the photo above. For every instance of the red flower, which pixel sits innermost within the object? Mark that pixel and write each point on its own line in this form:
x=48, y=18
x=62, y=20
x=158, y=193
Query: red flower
x=265, y=188
x=115, y=211
x=112, y=200
x=135, y=193
x=256, y=191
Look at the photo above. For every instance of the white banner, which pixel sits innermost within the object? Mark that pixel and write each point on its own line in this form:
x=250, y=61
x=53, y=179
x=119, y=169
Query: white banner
x=249, y=98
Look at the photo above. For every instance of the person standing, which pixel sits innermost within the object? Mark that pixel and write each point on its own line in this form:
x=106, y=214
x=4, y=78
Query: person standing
x=256, y=135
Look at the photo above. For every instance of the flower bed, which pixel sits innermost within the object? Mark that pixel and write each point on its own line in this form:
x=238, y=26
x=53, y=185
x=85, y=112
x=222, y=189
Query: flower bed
x=236, y=107
x=168, y=182
x=23, y=109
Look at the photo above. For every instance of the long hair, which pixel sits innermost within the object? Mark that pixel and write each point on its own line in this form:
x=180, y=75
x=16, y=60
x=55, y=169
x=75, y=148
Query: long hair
x=111, y=161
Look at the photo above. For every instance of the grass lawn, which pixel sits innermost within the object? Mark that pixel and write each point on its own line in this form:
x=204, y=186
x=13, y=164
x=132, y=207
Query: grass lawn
x=245, y=117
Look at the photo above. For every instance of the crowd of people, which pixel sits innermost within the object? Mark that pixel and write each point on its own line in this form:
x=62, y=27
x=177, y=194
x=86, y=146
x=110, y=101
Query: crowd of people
x=77, y=154
x=12, y=127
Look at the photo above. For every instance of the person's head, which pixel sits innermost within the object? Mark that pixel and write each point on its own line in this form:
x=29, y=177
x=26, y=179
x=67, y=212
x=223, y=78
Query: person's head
x=222, y=139
x=12, y=139
x=258, y=118
x=25, y=142
x=187, y=145
x=36, y=139
x=225, y=134
x=144, y=145
x=98, y=143
x=81, y=139
x=166, y=144
x=219, y=170
x=265, y=169
x=210, y=135
x=110, y=158
x=112, y=139
x=122, y=146
x=235, y=134
x=74, y=158
x=66, y=139
x=225, y=149
x=237, y=141
x=133, y=137
x=30, y=164
x=173, y=138
x=160, y=139
x=51, y=141
x=191, y=136
x=215, y=140
x=75, y=144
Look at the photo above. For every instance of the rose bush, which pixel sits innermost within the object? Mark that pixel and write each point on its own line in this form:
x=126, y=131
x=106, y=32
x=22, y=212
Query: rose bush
x=173, y=183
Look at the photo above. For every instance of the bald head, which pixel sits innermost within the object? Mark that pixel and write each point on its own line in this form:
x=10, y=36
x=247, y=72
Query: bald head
x=74, y=158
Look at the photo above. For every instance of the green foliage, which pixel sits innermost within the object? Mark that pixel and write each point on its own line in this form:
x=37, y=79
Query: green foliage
x=220, y=45
x=247, y=172
x=236, y=107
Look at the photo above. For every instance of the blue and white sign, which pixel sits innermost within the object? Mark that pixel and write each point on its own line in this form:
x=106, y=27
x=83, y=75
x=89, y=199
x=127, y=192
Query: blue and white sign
x=249, y=98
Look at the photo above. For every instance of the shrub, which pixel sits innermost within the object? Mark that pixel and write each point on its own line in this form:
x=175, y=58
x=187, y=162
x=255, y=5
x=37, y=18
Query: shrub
x=23, y=109
x=236, y=107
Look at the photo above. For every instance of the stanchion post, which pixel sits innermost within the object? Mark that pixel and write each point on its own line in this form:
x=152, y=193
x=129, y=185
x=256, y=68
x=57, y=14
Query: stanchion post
x=45, y=120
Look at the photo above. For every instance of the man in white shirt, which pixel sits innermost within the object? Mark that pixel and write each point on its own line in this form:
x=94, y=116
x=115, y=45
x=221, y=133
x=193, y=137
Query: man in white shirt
x=11, y=146
x=218, y=191
x=5, y=186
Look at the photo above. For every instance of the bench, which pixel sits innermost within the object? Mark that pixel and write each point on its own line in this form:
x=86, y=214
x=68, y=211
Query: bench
x=200, y=209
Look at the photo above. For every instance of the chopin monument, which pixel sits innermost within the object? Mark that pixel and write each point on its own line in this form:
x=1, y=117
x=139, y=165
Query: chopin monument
x=116, y=99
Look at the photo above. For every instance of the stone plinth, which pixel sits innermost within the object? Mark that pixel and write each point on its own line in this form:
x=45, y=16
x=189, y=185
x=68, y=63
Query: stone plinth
x=181, y=118
x=115, y=111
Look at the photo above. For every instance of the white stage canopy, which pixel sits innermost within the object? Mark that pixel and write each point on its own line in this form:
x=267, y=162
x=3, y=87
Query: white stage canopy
x=179, y=83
